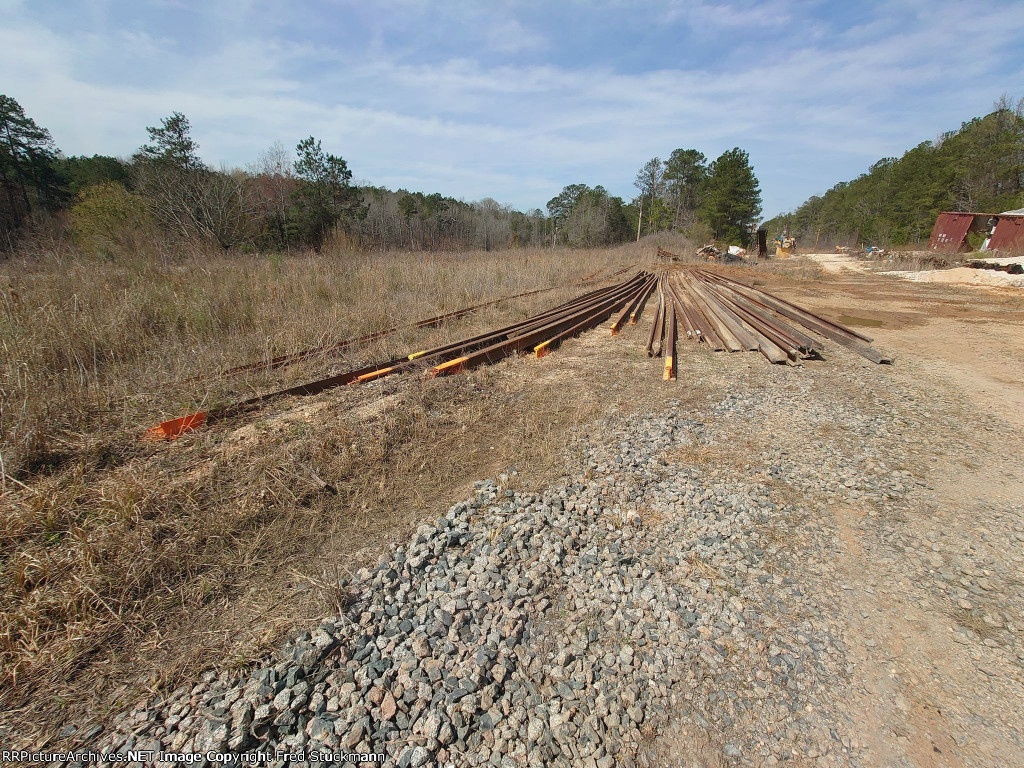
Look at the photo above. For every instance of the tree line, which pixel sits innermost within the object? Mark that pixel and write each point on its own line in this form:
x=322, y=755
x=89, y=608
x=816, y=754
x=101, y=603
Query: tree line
x=979, y=167
x=299, y=199
x=720, y=201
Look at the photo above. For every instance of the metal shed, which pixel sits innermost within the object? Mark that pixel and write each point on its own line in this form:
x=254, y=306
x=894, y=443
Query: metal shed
x=1008, y=235
x=951, y=227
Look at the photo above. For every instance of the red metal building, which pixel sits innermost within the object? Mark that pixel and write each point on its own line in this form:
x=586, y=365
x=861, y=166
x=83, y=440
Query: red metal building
x=951, y=228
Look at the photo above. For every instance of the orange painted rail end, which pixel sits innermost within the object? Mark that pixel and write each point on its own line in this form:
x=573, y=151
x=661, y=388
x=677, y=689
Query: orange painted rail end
x=452, y=366
x=169, y=430
x=373, y=375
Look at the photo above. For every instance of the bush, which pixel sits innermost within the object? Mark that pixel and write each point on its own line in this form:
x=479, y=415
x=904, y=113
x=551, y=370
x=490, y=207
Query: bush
x=108, y=219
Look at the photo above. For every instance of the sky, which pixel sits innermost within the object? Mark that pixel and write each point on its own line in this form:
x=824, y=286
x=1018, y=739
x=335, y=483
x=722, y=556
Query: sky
x=514, y=100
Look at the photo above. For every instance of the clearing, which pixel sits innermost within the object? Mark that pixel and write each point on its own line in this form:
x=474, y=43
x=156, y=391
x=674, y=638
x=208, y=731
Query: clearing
x=750, y=565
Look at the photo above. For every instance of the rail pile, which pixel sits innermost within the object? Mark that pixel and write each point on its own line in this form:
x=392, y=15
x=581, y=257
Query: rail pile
x=725, y=314
x=694, y=303
x=541, y=334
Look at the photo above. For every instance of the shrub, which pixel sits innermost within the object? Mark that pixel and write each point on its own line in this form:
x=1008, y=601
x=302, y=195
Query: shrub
x=109, y=219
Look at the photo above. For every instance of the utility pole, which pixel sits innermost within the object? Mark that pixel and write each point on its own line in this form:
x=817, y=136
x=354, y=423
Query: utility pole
x=640, y=219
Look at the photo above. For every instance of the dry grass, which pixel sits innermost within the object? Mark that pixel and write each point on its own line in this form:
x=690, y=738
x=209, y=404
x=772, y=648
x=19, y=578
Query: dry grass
x=94, y=347
x=128, y=566
x=797, y=269
x=916, y=261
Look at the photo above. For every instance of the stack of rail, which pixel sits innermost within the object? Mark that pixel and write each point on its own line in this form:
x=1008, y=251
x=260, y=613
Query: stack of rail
x=692, y=303
x=726, y=314
x=541, y=334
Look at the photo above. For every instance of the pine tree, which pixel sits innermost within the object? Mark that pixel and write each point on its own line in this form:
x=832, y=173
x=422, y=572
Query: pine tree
x=172, y=143
x=732, y=201
x=324, y=196
x=685, y=176
x=28, y=172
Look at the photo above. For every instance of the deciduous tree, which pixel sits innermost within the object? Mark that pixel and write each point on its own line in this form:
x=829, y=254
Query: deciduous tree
x=649, y=180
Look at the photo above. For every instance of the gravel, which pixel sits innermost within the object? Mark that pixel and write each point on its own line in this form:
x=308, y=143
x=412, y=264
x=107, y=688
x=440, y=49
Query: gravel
x=683, y=573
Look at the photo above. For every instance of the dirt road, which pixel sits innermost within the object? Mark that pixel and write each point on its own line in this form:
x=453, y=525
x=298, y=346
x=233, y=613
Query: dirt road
x=933, y=598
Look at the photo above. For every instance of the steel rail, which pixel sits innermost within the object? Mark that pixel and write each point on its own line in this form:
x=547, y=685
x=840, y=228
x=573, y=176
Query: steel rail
x=633, y=304
x=656, y=322
x=768, y=331
x=639, y=309
x=772, y=345
x=683, y=316
x=457, y=348
x=670, y=346
x=726, y=316
x=305, y=354
x=702, y=329
x=530, y=322
x=791, y=309
x=552, y=332
x=558, y=317
x=730, y=342
x=819, y=325
x=797, y=338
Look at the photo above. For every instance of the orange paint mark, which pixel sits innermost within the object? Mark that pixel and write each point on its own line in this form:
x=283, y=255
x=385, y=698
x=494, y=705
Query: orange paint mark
x=452, y=366
x=373, y=375
x=170, y=430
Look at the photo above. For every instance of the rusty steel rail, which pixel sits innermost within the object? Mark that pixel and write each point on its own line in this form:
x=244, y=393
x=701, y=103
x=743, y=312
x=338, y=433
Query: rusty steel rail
x=656, y=325
x=548, y=328
x=727, y=314
x=635, y=305
x=693, y=303
x=329, y=349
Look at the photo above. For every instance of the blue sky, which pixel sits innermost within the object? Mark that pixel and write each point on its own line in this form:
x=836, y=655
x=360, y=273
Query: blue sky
x=514, y=100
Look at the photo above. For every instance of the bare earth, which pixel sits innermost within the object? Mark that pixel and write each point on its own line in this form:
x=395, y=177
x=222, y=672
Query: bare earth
x=927, y=692
x=893, y=573
x=837, y=262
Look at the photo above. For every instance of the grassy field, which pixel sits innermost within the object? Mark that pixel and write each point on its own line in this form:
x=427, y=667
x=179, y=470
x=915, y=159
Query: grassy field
x=127, y=565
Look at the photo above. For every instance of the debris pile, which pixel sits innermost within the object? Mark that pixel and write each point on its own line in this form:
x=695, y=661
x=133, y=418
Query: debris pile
x=1013, y=268
x=710, y=252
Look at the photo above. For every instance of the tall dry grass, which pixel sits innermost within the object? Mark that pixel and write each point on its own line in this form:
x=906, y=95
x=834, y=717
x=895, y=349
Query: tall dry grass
x=132, y=563
x=92, y=348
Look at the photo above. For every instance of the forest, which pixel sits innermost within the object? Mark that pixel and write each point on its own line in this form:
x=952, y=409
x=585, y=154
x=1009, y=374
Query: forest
x=298, y=199
x=978, y=167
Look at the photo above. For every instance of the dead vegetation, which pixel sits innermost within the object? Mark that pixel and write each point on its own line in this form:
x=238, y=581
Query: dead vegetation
x=916, y=261
x=128, y=566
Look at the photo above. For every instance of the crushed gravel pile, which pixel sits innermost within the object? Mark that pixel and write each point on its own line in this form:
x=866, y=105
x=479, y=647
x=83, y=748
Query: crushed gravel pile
x=682, y=575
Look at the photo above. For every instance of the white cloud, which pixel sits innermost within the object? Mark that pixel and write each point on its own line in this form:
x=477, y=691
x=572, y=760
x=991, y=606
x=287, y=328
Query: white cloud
x=752, y=15
x=811, y=113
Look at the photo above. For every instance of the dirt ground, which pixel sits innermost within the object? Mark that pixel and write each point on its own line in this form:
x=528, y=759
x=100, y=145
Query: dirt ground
x=982, y=278
x=965, y=345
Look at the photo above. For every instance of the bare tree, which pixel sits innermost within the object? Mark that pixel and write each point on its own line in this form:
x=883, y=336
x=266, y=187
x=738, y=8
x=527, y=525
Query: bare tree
x=649, y=180
x=273, y=183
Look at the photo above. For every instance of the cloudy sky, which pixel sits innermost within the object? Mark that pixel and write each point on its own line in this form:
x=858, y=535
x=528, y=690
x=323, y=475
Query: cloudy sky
x=515, y=99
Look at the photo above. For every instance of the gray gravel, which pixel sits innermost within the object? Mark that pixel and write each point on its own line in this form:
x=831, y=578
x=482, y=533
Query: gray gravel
x=685, y=574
